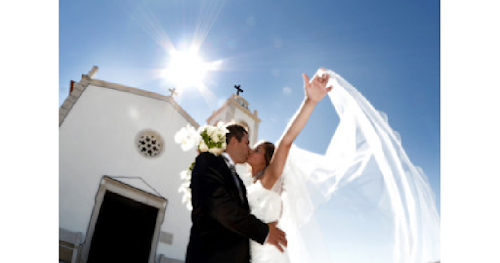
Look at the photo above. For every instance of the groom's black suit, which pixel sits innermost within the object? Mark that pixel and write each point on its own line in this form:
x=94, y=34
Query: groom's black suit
x=222, y=223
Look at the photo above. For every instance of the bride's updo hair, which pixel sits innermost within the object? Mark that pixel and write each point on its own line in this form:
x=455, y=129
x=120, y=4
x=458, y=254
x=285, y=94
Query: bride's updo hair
x=269, y=148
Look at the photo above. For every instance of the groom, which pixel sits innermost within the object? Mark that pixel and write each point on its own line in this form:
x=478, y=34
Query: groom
x=222, y=223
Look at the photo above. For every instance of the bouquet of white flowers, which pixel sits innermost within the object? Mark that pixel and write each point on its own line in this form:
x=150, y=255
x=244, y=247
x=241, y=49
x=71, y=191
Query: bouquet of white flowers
x=208, y=139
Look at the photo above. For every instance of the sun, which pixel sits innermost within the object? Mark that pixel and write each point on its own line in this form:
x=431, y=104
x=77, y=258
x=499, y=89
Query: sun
x=186, y=68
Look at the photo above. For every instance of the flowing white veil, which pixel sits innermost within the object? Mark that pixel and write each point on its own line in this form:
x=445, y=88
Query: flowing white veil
x=365, y=168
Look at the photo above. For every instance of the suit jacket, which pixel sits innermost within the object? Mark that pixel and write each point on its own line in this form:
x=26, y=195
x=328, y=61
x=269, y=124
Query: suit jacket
x=222, y=223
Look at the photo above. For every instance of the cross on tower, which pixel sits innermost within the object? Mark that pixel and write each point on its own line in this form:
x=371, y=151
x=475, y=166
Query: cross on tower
x=173, y=92
x=238, y=89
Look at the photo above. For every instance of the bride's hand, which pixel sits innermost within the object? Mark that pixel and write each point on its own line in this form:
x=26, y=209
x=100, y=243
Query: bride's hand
x=316, y=88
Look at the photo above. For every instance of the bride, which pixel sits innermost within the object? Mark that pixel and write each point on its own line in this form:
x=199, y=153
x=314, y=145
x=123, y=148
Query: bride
x=364, y=161
x=267, y=163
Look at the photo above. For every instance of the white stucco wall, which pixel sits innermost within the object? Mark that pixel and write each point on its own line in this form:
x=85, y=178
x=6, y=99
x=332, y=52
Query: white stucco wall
x=253, y=134
x=97, y=138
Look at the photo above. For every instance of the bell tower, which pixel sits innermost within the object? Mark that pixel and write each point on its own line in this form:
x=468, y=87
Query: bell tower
x=236, y=109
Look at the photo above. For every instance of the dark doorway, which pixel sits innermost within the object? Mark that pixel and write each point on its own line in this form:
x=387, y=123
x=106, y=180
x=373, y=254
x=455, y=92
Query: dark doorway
x=123, y=232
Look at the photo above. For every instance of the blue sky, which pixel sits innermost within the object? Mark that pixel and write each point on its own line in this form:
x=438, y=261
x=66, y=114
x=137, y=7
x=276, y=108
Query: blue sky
x=389, y=50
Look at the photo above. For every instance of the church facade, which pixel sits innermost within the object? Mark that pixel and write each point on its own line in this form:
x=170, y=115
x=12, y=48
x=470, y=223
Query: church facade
x=119, y=172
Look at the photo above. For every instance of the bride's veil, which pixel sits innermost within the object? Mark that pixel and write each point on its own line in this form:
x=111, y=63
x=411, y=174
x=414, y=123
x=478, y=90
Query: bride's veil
x=364, y=169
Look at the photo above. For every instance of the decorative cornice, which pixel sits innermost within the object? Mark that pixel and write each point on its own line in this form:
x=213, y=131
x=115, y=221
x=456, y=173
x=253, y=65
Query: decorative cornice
x=79, y=88
x=232, y=100
x=76, y=92
x=247, y=111
x=218, y=111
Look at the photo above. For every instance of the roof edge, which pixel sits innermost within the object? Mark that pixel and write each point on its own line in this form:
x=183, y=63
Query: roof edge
x=79, y=88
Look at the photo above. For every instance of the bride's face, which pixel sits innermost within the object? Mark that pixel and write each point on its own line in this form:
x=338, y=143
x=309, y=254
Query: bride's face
x=257, y=158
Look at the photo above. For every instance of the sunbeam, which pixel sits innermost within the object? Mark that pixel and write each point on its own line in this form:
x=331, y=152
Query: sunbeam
x=185, y=67
x=206, y=19
x=147, y=20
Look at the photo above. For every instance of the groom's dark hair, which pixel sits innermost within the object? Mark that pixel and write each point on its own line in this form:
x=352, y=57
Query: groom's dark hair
x=235, y=130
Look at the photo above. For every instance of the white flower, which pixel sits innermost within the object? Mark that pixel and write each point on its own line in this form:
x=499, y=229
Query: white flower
x=215, y=151
x=186, y=198
x=193, y=132
x=212, y=150
x=186, y=175
x=183, y=188
x=211, y=130
x=222, y=128
x=181, y=135
x=215, y=137
x=187, y=137
x=202, y=128
x=224, y=145
x=203, y=147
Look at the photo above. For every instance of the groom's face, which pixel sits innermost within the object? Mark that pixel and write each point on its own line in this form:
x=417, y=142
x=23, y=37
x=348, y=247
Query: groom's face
x=241, y=149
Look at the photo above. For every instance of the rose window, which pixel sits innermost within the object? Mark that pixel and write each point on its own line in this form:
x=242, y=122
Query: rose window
x=149, y=143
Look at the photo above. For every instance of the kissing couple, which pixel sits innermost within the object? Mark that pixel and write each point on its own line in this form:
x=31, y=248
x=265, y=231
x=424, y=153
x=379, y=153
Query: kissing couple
x=231, y=224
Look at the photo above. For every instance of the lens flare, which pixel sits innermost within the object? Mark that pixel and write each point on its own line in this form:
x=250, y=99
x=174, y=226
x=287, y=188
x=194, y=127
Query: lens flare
x=186, y=68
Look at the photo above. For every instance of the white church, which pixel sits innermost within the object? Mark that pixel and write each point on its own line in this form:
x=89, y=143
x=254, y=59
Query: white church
x=119, y=172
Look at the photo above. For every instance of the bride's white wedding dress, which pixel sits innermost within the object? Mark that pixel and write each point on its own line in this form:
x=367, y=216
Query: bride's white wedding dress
x=365, y=168
x=267, y=206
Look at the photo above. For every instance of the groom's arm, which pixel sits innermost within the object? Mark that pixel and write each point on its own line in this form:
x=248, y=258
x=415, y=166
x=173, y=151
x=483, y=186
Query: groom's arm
x=211, y=193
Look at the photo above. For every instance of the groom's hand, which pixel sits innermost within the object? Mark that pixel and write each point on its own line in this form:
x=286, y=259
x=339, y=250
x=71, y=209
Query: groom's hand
x=276, y=236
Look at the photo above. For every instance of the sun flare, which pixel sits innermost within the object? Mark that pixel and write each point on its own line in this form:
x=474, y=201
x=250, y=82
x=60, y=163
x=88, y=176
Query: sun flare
x=186, y=68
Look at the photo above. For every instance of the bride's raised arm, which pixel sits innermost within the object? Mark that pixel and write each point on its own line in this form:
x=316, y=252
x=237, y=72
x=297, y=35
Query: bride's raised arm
x=315, y=90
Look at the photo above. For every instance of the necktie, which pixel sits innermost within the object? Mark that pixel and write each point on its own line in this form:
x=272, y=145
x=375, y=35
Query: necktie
x=236, y=180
